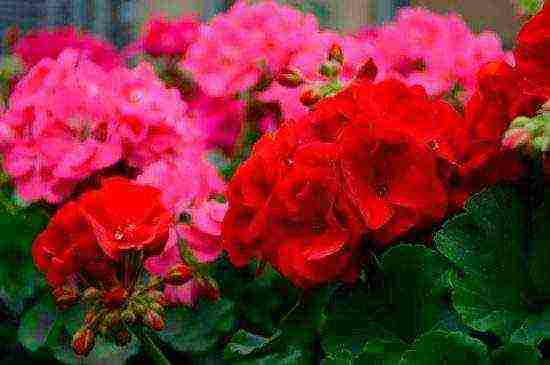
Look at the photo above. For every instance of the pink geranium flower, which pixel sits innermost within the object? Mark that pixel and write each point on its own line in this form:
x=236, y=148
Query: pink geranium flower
x=189, y=184
x=49, y=43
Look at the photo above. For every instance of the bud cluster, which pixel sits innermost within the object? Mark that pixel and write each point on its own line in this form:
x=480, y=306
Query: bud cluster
x=530, y=135
x=134, y=301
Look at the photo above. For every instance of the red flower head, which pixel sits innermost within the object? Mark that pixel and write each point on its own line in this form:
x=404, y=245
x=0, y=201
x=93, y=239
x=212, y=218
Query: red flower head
x=314, y=234
x=68, y=246
x=531, y=53
x=127, y=217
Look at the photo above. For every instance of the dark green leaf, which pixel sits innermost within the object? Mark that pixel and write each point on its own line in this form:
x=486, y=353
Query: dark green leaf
x=533, y=330
x=291, y=355
x=198, y=330
x=485, y=244
x=38, y=324
x=382, y=352
x=516, y=354
x=244, y=343
x=450, y=348
x=19, y=280
x=415, y=302
x=541, y=249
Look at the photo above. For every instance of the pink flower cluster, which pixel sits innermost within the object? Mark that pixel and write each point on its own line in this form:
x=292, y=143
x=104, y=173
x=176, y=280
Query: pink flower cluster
x=68, y=119
x=436, y=51
x=50, y=43
x=237, y=47
x=163, y=37
x=189, y=184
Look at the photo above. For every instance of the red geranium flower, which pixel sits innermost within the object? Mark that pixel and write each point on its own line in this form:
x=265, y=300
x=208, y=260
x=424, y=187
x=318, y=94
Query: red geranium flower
x=531, y=53
x=68, y=246
x=392, y=180
x=314, y=230
x=127, y=217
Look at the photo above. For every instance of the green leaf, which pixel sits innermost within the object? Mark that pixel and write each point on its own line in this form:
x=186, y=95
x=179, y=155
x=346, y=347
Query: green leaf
x=485, y=245
x=350, y=323
x=408, y=303
x=382, y=352
x=450, y=348
x=541, y=249
x=415, y=302
x=516, y=354
x=244, y=343
x=291, y=355
x=38, y=324
x=198, y=330
x=19, y=280
x=533, y=330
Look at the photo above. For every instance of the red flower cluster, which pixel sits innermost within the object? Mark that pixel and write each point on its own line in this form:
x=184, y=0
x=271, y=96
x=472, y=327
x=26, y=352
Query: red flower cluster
x=88, y=236
x=378, y=161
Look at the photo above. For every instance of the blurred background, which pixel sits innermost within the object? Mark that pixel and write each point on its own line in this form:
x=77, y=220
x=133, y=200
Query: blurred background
x=120, y=20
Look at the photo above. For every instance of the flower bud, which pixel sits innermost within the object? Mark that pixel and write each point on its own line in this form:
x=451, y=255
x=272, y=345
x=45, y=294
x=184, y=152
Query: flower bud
x=153, y=320
x=178, y=275
x=123, y=337
x=336, y=54
x=209, y=289
x=158, y=297
x=289, y=77
x=310, y=97
x=65, y=296
x=367, y=71
x=83, y=342
x=91, y=294
x=515, y=138
x=112, y=319
x=330, y=69
x=115, y=297
x=128, y=316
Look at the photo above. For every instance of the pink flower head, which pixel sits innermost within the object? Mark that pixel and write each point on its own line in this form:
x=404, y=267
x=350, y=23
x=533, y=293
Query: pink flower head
x=163, y=37
x=49, y=43
x=58, y=128
x=151, y=118
x=234, y=50
x=193, y=201
x=437, y=51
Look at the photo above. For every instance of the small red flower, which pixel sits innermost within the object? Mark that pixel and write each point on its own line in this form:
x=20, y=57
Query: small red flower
x=127, y=217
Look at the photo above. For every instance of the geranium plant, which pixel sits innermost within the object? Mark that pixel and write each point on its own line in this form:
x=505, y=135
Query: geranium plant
x=259, y=190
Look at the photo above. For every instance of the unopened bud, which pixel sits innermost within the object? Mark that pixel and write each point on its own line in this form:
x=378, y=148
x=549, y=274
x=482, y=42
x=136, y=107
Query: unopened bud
x=123, y=337
x=90, y=317
x=178, y=275
x=289, y=77
x=115, y=297
x=112, y=319
x=336, y=53
x=330, y=69
x=153, y=320
x=209, y=289
x=83, y=341
x=65, y=296
x=310, y=97
x=91, y=294
x=158, y=297
x=515, y=138
x=367, y=71
x=128, y=316
x=11, y=37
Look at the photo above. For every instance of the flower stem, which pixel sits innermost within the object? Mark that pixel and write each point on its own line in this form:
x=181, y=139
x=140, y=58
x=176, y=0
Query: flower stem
x=153, y=352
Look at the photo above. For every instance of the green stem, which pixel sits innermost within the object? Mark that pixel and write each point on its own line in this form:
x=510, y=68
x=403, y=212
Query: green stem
x=153, y=352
